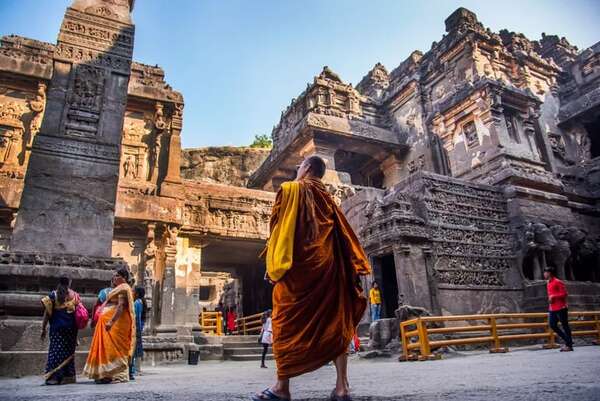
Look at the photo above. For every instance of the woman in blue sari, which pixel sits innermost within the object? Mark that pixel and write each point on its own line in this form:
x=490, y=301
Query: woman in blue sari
x=59, y=311
x=140, y=319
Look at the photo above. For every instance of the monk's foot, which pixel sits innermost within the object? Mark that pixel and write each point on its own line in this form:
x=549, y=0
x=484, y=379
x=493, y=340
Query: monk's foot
x=340, y=395
x=271, y=394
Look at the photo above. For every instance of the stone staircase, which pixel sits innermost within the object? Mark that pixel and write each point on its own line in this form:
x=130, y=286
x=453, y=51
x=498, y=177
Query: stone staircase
x=243, y=348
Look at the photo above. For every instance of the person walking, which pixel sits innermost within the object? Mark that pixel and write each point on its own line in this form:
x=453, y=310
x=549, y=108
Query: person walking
x=558, y=309
x=314, y=260
x=266, y=336
x=114, y=341
x=375, y=298
x=140, y=308
x=59, y=311
x=231, y=317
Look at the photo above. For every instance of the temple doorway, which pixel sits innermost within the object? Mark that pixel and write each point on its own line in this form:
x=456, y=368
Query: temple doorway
x=593, y=130
x=232, y=273
x=385, y=275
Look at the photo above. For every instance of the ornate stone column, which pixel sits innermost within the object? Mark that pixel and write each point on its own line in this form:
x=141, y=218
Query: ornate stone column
x=317, y=147
x=171, y=186
x=68, y=201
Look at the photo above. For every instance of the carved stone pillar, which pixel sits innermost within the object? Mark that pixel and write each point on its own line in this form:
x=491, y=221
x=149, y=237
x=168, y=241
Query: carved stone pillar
x=146, y=274
x=411, y=273
x=317, y=147
x=392, y=171
x=160, y=127
x=168, y=285
x=171, y=186
x=68, y=201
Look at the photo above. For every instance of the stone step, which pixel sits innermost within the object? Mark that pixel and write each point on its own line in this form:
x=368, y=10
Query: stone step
x=239, y=339
x=250, y=357
x=243, y=351
x=253, y=344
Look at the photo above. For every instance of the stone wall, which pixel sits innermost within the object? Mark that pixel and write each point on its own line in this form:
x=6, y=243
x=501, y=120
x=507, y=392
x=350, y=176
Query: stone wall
x=222, y=165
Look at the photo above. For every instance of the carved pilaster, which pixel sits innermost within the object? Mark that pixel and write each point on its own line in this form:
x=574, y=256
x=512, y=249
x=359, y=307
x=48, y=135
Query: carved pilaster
x=172, y=184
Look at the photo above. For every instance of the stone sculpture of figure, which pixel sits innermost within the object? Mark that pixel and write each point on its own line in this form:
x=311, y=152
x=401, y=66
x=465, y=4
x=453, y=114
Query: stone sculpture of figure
x=171, y=235
x=561, y=252
x=228, y=297
x=539, y=240
x=585, y=253
x=37, y=105
x=129, y=168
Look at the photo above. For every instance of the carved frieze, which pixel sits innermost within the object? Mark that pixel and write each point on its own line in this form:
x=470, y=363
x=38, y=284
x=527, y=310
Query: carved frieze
x=77, y=149
x=73, y=53
x=85, y=101
x=470, y=278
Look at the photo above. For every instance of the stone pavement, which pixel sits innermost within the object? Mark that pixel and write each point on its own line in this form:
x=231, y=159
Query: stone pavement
x=523, y=374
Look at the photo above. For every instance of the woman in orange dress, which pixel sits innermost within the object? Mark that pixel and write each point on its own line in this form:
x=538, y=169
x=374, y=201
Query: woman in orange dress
x=114, y=337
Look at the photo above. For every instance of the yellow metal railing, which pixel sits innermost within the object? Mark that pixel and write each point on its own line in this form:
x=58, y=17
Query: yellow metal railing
x=248, y=325
x=492, y=329
x=211, y=323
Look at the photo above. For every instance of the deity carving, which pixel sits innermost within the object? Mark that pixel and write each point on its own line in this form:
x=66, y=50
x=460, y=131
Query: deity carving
x=130, y=167
x=159, y=117
x=85, y=101
x=11, y=132
x=171, y=234
x=37, y=105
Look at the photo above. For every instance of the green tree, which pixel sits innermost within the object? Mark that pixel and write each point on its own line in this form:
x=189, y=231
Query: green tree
x=262, y=141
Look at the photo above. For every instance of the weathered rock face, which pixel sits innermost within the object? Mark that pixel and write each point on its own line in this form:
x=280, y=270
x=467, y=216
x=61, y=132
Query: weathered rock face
x=223, y=165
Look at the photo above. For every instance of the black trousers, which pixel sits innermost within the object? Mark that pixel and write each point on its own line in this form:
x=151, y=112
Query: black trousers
x=264, y=353
x=561, y=316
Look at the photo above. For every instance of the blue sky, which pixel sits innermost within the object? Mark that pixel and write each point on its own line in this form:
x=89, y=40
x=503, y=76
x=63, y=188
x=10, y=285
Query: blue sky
x=240, y=62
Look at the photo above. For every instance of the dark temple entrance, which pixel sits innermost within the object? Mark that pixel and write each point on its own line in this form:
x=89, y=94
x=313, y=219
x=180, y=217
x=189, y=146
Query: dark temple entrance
x=386, y=277
x=593, y=130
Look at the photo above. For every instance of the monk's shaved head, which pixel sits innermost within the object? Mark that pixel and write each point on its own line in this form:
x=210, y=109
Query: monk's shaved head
x=317, y=166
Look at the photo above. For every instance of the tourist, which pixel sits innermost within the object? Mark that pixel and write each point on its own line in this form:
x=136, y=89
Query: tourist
x=266, y=336
x=375, y=298
x=221, y=317
x=140, y=308
x=315, y=260
x=558, y=310
x=102, y=295
x=231, y=317
x=59, y=311
x=114, y=336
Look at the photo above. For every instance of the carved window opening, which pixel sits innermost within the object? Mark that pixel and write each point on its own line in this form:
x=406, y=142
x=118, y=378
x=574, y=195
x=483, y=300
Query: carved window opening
x=470, y=132
x=512, y=125
x=363, y=169
x=593, y=131
x=206, y=293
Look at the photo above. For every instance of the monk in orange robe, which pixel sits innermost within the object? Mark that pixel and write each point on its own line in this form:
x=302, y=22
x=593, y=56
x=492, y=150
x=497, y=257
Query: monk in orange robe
x=315, y=260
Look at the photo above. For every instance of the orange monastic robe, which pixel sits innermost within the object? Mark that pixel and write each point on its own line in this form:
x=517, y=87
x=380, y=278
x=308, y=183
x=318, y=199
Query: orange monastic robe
x=318, y=302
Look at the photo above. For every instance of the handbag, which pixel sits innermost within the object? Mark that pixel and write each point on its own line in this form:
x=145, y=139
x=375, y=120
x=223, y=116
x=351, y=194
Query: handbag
x=81, y=315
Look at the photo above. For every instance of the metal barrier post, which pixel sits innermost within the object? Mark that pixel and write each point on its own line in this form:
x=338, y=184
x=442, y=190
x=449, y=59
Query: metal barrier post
x=551, y=336
x=423, y=340
x=219, y=324
x=404, y=341
x=597, y=320
x=494, y=333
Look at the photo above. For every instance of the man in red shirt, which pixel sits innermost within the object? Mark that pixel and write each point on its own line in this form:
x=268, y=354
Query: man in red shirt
x=558, y=311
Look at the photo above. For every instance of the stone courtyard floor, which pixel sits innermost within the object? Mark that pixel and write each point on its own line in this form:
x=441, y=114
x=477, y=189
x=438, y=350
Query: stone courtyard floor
x=522, y=374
